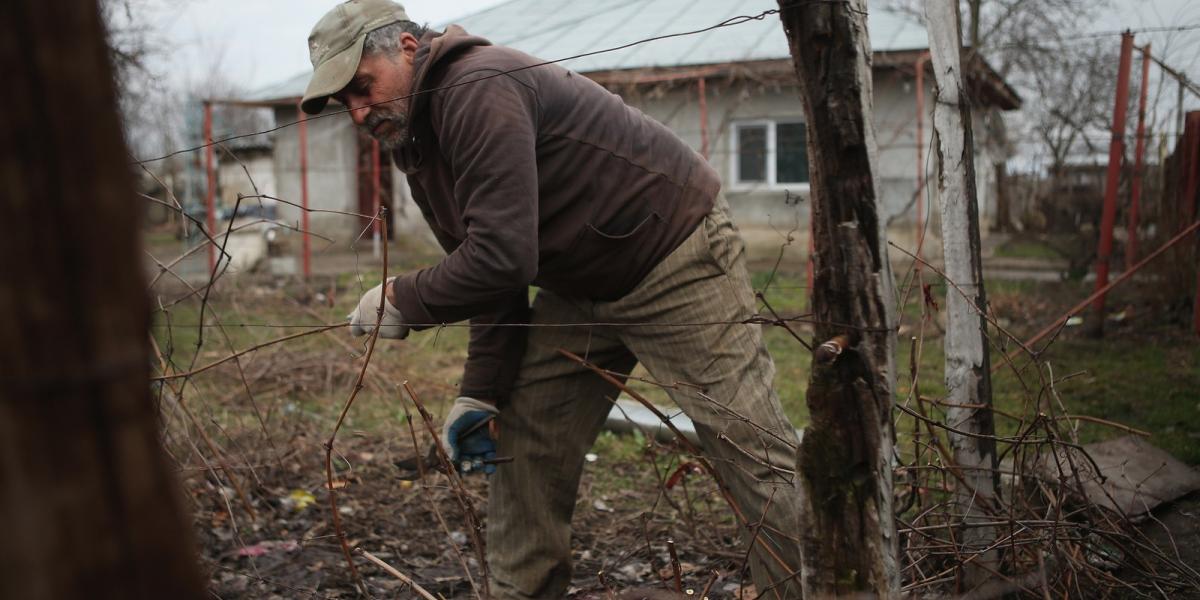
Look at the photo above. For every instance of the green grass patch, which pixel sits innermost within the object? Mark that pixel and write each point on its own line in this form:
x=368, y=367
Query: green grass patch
x=1027, y=248
x=786, y=292
x=1150, y=384
x=1145, y=381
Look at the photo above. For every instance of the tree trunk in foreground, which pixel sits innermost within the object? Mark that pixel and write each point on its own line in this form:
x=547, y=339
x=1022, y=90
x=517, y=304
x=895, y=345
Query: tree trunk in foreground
x=968, y=365
x=87, y=503
x=847, y=529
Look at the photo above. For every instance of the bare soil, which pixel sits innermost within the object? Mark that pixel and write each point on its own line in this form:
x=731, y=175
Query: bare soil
x=290, y=550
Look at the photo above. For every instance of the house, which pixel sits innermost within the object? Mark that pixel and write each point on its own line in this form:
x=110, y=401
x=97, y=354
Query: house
x=255, y=162
x=730, y=92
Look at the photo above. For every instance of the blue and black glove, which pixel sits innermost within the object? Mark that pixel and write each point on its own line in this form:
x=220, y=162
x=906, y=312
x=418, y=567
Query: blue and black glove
x=466, y=436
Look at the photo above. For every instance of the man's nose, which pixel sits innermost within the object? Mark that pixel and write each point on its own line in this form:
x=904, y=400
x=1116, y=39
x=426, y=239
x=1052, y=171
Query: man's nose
x=359, y=112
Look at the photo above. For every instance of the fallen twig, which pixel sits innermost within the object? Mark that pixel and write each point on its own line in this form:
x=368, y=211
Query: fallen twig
x=395, y=573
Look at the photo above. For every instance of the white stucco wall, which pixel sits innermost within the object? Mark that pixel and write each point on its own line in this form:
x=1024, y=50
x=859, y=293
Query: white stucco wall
x=895, y=125
x=332, y=179
x=232, y=179
x=332, y=155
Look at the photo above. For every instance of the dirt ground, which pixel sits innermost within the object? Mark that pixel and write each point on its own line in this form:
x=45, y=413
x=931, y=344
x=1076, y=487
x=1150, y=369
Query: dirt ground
x=289, y=550
x=624, y=518
x=268, y=418
x=1175, y=527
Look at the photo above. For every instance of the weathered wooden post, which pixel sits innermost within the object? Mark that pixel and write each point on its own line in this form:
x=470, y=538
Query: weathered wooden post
x=847, y=529
x=968, y=364
x=88, y=506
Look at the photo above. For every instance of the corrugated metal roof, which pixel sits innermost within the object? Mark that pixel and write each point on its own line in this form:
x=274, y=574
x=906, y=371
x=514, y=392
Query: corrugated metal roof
x=290, y=88
x=554, y=29
x=557, y=29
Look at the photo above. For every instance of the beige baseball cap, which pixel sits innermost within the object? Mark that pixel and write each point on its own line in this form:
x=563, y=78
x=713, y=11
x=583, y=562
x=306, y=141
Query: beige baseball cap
x=336, y=43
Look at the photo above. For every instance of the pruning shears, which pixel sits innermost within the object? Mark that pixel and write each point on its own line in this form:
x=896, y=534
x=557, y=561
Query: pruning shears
x=412, y=467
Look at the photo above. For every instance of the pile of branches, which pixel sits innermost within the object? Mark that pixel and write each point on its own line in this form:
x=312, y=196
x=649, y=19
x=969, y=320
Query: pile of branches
x=1053, y=537
x=1049, y=538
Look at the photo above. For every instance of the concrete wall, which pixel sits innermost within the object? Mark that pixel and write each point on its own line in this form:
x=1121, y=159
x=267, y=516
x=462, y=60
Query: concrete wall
x=332, y=155
x=895, y=123
x=332, y=185
x=232, y=179
x=332, y=179
x=407, y=221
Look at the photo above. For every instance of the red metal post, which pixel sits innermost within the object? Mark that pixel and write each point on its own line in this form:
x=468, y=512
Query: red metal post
x=703, y=119
x=1191, y=191
x=1058, y=323
x=1116, y=153
x=210, y=192
x=1191, y=167
x=1139, y=152
x=919, y=67
x=307, y=242
x=1196, y=306
x=375, y=197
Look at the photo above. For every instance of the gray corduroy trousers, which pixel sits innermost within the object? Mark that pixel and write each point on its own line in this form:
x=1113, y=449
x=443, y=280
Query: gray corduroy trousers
x=683, y=325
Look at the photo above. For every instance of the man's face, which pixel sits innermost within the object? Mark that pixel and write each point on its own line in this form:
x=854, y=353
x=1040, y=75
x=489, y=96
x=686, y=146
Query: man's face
x=380, y=78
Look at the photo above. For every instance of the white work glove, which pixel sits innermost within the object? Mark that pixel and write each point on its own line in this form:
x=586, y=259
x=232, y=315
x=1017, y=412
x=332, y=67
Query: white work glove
x=466, y=437
x=364, y=317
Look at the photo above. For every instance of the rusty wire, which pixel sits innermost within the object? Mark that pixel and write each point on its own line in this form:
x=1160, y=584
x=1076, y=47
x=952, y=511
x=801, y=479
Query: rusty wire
x=1052, y=540
x=1051, y=536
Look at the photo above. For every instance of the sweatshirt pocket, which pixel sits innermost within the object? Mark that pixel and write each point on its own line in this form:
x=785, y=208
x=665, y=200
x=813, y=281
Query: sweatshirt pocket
x=646, y=223
x=604, y=265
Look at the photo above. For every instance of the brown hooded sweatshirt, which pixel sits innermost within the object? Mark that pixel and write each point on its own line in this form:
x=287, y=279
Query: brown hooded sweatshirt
x=531, y=174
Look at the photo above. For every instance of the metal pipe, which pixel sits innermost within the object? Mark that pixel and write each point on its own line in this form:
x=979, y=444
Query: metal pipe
x=1116, y=153
x=307, y=242
x=919, y=66
x=636, y=77
x=1183, y=80
x=1192, y=138
x=1179, y=108
x=1191, y=166
x=375, y=199
x=1160, y=207
x=703, y=119
x=210, y=192
x=1138, y=164
x=1051, y=328
x=628, y=416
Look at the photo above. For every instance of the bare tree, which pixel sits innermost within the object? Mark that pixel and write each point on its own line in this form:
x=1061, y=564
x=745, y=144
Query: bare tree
x=89, y=507
x=1065, y=82
x=141, y=89
x=1081, y=86
x=1015, y=35
x=968, y=365
x=847, y=529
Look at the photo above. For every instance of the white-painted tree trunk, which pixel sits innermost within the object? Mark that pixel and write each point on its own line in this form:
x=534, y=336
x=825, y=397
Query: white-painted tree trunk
x=968, y=378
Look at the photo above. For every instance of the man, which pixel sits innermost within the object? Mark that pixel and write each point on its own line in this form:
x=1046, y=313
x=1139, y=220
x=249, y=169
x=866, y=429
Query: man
x=530, y=174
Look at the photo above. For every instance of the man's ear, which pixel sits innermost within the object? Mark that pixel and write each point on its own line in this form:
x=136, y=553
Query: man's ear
x=409, y=43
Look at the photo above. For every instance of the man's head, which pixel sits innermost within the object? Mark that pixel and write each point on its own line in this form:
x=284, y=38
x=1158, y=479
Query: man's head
x=362, y=53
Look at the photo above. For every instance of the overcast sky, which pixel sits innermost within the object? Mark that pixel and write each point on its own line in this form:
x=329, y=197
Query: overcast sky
x=250, y=44
x=255, y=43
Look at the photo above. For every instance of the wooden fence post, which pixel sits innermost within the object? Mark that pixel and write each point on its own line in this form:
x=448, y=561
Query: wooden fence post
x=844, y=465
x=968, y=364
x=88, y=504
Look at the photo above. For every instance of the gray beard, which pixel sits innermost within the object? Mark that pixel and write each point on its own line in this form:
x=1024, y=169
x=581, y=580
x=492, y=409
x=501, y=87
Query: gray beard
x=395, y=137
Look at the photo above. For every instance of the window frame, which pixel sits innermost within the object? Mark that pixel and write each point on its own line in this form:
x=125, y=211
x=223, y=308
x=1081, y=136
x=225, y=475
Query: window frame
x=771, y=184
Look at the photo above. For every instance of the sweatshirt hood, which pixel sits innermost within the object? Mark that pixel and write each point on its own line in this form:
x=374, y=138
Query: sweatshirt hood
x=436, y=47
